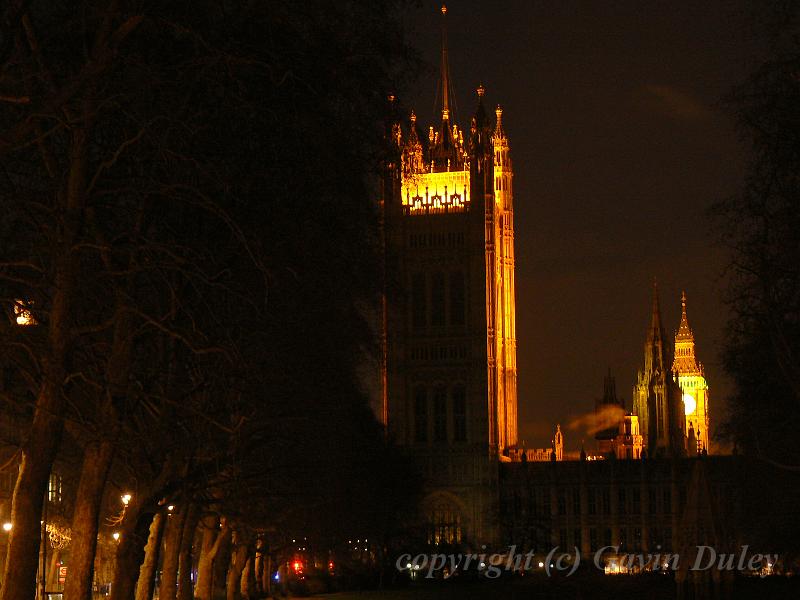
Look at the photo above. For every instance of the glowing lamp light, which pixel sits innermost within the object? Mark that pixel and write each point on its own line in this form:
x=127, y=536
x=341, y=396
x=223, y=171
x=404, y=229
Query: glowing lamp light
x=298, y=566
x=126, y=498
x=115, y=535
x=22, y=315
x=541, y=564
x=171, y=507
x=7, y=526
x=689, y=404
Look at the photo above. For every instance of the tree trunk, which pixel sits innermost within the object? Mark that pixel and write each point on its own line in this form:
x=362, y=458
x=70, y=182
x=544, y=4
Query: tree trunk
x=258, y=566
x=147, y=574
x=222, y=563
x=234, y=578
x=97, y=459
x=212, y=540
x=266, y=574
x=168, y=588
x=129, y=557
x=22, y=557
x=185, y=558
x=38, y=453
x=52, y=573
x=249, y=587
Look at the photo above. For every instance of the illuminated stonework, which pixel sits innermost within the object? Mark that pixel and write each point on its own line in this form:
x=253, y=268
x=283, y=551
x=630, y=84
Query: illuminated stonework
x=691, y=379
x=442, y=192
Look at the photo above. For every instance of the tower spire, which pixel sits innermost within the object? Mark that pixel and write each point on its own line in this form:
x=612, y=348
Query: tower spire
x=655, y=318
x=685, y=362
x=684, y=331
x=446, y=151
x=445, y=69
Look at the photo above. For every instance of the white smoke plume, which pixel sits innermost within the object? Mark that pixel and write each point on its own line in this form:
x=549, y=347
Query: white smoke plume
x=607, y=417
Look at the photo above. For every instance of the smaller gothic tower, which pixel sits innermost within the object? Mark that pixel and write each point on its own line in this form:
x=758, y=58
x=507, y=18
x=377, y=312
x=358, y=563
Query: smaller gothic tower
x=606, y=409
x=656, y=395
x=689, y=374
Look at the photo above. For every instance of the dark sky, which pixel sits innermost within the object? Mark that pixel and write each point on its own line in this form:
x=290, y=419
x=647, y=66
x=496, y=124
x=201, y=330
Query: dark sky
x=619, y=146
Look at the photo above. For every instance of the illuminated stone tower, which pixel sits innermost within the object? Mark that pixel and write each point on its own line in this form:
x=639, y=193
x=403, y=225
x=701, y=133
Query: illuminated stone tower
x=657, y=396
x=450, y=372
x=692, y=381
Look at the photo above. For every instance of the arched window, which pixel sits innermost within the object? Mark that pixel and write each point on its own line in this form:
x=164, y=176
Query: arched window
x=459, y=414
x=419, y=307
x=420, y=415
x=437, y=300
x=444, y=524
x=440, y=415
x=457, y=299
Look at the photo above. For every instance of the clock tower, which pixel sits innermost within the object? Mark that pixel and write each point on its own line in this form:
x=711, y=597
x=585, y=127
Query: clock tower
x=692, y=382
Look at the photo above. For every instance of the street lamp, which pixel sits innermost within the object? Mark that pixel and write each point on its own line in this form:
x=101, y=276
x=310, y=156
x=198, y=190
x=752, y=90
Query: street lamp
x=7, y=526
x=126, y=498
x=115, y=535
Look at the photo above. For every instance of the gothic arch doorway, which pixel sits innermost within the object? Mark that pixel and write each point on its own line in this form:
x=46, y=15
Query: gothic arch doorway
x=446, y=516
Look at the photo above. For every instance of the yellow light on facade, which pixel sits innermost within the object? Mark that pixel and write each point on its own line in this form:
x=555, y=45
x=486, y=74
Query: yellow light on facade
x=7, y=526
x=126, y=498
x=689, y=404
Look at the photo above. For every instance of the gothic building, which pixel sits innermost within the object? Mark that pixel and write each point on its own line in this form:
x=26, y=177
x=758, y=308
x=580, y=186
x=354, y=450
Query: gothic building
x=657, y=395
x=450, y=373
x=449, y=369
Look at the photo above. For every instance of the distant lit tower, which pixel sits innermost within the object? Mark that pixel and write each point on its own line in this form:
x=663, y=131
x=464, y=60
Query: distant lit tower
x=450, y=369
x=692, y=381
x=606, y=409
x=657, y=396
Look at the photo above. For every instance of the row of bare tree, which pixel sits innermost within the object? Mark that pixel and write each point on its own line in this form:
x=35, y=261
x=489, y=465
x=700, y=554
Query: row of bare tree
x=188, y=267
x=760, y=226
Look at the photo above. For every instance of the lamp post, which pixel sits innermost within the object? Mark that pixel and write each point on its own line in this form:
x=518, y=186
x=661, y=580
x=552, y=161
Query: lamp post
x=43, y=553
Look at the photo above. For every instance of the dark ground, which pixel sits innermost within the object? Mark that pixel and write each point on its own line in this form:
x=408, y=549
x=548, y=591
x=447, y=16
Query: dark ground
x=656, y=587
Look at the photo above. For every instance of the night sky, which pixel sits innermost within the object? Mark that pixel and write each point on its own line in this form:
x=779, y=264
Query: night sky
x=619, y=146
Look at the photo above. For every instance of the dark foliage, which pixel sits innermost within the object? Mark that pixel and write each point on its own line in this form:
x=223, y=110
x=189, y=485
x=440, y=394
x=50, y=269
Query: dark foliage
x=226, y=231
x=762, y=228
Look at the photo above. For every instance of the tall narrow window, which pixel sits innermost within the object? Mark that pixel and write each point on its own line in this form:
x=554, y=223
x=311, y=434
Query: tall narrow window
x=437, y=300
x=421, y=415
x=440, y=415
x=459, y=414
x=418, y=304
x=457, y=300
x=54, y=488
